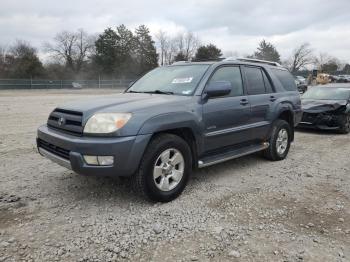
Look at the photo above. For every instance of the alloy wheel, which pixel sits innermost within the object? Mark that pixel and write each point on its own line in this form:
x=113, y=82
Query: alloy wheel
x=282, y=141
x=168, y=169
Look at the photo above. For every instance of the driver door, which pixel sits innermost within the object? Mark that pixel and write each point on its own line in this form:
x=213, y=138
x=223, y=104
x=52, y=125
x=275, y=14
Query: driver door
x=225, y=118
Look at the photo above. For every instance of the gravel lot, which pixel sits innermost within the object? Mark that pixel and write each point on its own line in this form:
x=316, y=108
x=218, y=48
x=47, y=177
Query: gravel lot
x=248, y=209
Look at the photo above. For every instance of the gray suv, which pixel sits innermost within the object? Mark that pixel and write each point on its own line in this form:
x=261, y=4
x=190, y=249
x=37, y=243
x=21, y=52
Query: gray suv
x=175, y=119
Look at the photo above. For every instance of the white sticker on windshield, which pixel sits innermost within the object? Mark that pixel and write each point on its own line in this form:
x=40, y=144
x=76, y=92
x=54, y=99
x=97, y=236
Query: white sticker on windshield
x=187, y=92
x=184, y=80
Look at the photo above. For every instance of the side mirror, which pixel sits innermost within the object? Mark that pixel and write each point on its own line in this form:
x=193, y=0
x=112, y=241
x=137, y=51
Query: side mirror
x=218, y=88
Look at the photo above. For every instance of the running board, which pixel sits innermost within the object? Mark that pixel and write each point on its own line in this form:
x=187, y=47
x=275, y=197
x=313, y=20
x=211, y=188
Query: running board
x=212, y=160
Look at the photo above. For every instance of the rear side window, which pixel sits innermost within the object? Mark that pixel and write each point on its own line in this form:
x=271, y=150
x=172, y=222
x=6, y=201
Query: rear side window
x=286, y=79
x=255, y=81
x=231, y=74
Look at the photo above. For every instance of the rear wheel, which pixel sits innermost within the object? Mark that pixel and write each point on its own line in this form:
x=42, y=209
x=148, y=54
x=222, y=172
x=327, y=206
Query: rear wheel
x=164, y=169
x=345, y=126
x=280, y=140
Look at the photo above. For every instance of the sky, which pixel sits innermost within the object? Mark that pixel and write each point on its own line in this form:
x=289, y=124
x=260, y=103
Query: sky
x=234, y=26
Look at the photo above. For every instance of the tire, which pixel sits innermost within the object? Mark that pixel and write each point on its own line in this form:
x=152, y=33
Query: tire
x=345, y=126
x=274, y=152
x=158, y=179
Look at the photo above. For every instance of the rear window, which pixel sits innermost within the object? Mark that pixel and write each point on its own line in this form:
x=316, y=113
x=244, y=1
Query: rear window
x=286, y=79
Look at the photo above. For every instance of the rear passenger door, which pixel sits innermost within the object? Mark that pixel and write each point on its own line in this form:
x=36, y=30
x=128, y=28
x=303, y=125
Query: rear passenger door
x=261, y=98
x=225, y=117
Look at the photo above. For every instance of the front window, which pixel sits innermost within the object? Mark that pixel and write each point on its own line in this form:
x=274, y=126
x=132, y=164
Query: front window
x=319, y=93
x=231, y=74
x=178, y=80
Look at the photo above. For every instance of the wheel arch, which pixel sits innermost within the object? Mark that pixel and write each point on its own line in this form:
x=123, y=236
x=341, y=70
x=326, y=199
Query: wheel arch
x=188, y=136
x=181, y=124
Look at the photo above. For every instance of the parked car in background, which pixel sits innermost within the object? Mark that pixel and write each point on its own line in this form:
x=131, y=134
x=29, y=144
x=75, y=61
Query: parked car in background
x=301, y=84
x=327, y=107
x=174, y=119
x=301, y=79
x=343, y=79
x=334, y=78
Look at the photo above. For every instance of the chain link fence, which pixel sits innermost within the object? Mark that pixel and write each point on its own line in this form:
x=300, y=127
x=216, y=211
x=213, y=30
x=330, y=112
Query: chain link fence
x=60, y=84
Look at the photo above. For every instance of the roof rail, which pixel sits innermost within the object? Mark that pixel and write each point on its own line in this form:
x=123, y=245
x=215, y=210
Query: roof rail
x=252, y=60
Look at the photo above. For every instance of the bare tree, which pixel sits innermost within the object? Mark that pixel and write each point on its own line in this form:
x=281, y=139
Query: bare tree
x=84, y=46
x=163, y=42
x=3, y=54
x=187, y=44
x=184, y=45
x=301, y=57
x=71, y=48
x=327, y=63
x=321, y=59
x=171, y=51
x=191, y=43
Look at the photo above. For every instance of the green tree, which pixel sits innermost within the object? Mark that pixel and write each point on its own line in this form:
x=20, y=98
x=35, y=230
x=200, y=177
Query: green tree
x=267, y=51
x=330, y=67
x=106, y=56
x=125, y=52
x=145, y=50
x=207, y=52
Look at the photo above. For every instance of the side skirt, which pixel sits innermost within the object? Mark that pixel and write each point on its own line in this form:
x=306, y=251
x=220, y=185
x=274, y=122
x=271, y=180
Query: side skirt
x=235, y=153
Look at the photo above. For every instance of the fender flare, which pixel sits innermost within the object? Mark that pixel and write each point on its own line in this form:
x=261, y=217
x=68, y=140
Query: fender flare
x=171, y=121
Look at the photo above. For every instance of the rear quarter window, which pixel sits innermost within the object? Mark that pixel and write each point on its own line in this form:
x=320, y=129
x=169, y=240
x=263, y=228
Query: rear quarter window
x=286, y=79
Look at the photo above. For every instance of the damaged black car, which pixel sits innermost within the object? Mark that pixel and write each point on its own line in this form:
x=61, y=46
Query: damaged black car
x=327, y=107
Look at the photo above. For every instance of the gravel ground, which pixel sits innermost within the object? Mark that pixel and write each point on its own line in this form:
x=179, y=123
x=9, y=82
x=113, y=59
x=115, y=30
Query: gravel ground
x=248, y=209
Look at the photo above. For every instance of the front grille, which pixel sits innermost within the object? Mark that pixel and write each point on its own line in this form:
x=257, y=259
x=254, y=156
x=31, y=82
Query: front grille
x=66, y=120
x=64, y=153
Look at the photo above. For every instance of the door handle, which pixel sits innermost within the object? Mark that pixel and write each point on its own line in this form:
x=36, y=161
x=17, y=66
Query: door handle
x=272, y=98
x=244, y=102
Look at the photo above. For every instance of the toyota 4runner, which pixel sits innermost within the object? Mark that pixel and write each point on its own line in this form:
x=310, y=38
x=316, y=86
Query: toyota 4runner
x=175, y=119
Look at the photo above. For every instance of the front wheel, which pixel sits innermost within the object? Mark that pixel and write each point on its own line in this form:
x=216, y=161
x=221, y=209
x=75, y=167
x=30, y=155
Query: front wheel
x=345, y=126
x=164, y=169
x=280, y=140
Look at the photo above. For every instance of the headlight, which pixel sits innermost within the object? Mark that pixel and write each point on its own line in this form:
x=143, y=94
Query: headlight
x=103, y=123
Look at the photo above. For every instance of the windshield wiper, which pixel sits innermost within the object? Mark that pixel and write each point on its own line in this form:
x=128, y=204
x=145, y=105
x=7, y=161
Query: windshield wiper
x=159, y=92
x=132, y=91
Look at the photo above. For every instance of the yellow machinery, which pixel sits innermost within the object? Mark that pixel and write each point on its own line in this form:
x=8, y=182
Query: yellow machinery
x=318, y=78
x=322, y=79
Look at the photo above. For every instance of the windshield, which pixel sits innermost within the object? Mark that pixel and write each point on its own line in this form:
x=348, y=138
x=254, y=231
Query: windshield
x=319, y=93
x=179, y=80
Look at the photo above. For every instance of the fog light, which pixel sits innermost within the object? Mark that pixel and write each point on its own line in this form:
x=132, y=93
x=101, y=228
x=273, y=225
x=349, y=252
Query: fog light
x=99, y=160
x=105, y=160
x=91, y=160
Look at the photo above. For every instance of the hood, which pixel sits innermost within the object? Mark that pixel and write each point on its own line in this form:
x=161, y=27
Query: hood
x=129, y=103
x=320, y=106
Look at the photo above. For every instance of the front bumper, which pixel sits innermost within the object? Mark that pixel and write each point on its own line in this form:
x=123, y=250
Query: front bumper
x=68, y=150
x=320, y=121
